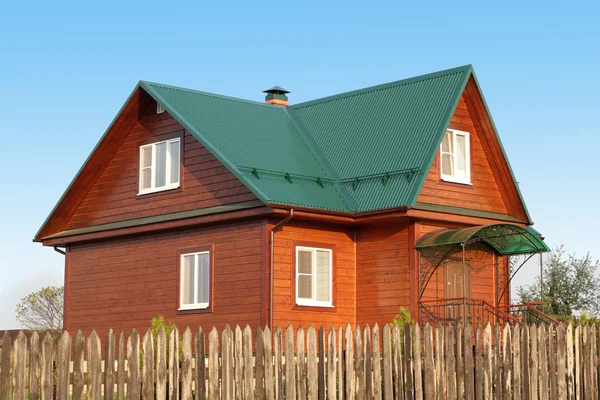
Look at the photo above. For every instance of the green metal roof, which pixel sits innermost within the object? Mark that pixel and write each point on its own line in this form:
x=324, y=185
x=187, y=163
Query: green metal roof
x=505, y=239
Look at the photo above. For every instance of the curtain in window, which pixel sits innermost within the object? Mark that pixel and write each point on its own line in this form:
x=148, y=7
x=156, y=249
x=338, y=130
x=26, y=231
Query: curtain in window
x=323, y=276
x=448, y=154
x=305, y=274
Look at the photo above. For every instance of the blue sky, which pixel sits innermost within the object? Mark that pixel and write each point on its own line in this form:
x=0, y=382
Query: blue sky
x=66, y=69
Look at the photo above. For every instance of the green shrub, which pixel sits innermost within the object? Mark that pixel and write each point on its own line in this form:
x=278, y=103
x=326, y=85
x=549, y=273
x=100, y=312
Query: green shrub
x=402, y=319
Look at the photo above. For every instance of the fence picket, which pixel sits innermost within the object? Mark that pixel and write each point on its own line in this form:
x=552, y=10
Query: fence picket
x=260, y=364
x=268, y=340
x=227, y=377
x=587, y=361
x=331, y=365
x=311, y=345
x=533, y=362
x=248, y=367
x=173, y=366
x=460, y=361
x=78, y=364
x=213, y=365
x=428, y=364
x=398, y=364
x=46, y=367
x=416, y=342
x=525, y=363
x=450, y=363
x=340, y=363
x=497, y=387
x=200, y=375
x=552, y=363
x=578, y=390
x=507, y=363
x=468, y=362
x=5, y=383
x=439, y=362
x=186, y=366
x=487, y=362
x=359, y=365
x=388, y=392
x=63, y=361
x=376, y=363
x=121, y=368
x=133, y=363
x=20, y=367
x=238, y=363
x=409, y=386
x=290, y=367
x=560, y=359
x=349, y=365
x=161, y=364
x=94, y=367
x=109, y=365
x=368, y=363
x=322, y=368
x=516, y=373
x=301, y=364
x=478, y=363
x=34, y=360
x=543, y=363
x=278, y=372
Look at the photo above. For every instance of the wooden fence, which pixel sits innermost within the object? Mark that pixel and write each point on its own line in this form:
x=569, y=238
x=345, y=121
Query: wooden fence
x=520, y=362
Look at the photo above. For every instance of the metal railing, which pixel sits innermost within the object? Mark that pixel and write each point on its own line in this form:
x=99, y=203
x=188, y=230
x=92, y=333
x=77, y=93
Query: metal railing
x=530, y=313
x=463, y=309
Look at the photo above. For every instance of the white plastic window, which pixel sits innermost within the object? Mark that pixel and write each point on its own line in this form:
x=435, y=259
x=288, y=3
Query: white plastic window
x=455, y=157
x=159, y=166
x=313, y=277
x=195, y=281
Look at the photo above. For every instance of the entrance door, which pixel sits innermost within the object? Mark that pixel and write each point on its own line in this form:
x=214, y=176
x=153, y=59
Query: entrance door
x=455, y=289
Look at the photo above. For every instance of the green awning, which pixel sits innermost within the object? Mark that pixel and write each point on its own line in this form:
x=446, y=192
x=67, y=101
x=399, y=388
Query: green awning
x=505, y=239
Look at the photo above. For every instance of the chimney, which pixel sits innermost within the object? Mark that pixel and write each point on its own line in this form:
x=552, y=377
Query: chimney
x=276, y=96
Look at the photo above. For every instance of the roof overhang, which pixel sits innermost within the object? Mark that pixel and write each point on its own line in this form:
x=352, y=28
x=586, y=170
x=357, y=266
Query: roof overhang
x=505, y=239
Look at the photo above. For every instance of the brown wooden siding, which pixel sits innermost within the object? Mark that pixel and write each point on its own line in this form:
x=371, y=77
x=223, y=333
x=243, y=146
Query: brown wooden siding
x=122, y=284
x=484, y=193
x=341, y=239
x=206, y=182
x=382, y=272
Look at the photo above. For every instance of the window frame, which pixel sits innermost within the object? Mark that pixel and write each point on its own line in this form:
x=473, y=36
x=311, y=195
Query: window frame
x=197, y=307
x=152, y=167
x=452, y=178
x=314, y=303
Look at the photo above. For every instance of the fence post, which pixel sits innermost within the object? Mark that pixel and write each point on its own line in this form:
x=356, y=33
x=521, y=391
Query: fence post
x=478, y=363
x=278, y=369
x=552, y=362
x=5, y=383
x=408, y=367
x=46, y=367
x=498, y=386
x=322, y=369
x=578, y=363
x=487, y=361
x=543, y=356
x=340, y=363
x=359, y=366
x=533, y=357
x=525, y=363
x=439, y=361
x=468, y=364
x=227, y=364
x=260, y=364
x=398, y=363
x=121, y=368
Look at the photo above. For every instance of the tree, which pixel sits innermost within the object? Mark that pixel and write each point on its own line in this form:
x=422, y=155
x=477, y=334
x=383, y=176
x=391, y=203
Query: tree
x=570, y=284
x=43, y=309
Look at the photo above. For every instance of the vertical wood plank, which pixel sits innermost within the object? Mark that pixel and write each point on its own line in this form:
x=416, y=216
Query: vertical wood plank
x=594, y=360
x=508, y=366
x=368, y=363
x=248, y=367
x=428, y=364
x=534, y=364
x=311, y=345
x=227, y=364
x=20, y=367
x=5, y=382
x=349, y=365
x=62, y=366
x=322, y=369
x=94, y=367
x=269, y=384
x=498, y=362
x=398, y=363
x=213, y=365
x=468, y=363
x=161, y=365
x=278, y=372
x=570, y=362
x=133, y=363
x=388, y=392
x=409, y=383
x=148, y=366
x=561, y=360
x=186, y=366
x=460, y=360
x=543, y=363
x=34, y=360
x=578, y=372
x=450, y=363
x=260, y=365
x=78, y=365
x=376, y=363
x=440, y=362
x=109, y=365
x=173, y=372
x=121, y=367
x=290, y=367
x=340, y=363
x=525, y=363
x=487, y=362
x=238, y=363
x=587, y=362
x=552, y=365
x=200, y=365
x=478, y=363
x=46, y=366
x=359, y=365
x=416, y=342
x=301, y=364
x=331, y=365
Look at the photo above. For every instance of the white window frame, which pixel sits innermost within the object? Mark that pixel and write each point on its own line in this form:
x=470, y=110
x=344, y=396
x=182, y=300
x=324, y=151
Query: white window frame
x=168, y=186
x=195, y=306
x=452, y=178
x=312, y=302
x=159, y=109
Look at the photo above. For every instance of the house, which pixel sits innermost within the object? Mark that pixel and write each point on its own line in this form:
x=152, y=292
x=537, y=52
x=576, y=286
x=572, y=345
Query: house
x=213, y=210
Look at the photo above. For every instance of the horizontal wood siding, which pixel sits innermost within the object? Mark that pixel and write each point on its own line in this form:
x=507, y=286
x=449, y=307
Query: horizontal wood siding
x=341, y=239
x=382, y=272
x=124, y=283
x=205, y=180
x=484, y=193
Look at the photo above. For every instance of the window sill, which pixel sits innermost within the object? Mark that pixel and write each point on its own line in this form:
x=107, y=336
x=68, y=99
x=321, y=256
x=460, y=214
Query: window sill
x=193, y=307
x=452, y=180
x=162, y=189
x=314, y=305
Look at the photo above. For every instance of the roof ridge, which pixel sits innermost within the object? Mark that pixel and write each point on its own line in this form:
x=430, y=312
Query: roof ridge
x=382, y=86
x=216, y=95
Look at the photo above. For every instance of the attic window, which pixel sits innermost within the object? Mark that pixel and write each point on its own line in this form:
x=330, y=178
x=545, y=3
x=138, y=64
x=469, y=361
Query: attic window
x=455, y=157
x=159, y=166
x=159, y=109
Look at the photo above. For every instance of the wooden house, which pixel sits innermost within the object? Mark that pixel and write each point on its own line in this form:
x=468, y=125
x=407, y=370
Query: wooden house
x=213, y=210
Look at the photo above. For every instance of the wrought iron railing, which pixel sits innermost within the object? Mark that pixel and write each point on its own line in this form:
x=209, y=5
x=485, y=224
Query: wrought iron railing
x=530, y=313
x=463, y=309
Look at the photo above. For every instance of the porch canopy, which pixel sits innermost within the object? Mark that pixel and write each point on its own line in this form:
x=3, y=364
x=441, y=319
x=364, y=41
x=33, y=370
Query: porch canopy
x=505, y=239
